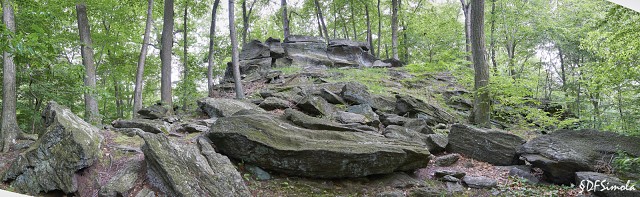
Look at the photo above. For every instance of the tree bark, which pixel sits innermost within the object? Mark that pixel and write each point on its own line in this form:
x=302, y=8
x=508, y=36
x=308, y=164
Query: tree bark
x=285, y=20
x=246, y=14
x=10, y=128
x=212, y=35
x=321, y=18
x=165, y=55
x=137, y=92
x=482, y=102
x=493, y=41
x=353, y=20
x=86, y=49
x=185, y=60
x=234, y=51
x=369, y=35
x=466, y=10
x=379, y=29
x=394, y=28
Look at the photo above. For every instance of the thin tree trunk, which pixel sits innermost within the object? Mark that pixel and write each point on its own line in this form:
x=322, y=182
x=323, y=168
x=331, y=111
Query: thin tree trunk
x=319, y=25
x=165, y=55
x=10, y=128
x=234, y=51
x=394, y=28
x=466, y=10
x=86, y=49
x=137, y=92
x=324, y=26
x=335, y=22
x=482, y=102
x=369, y=36
x=285, y=20
x=379, y=29
x=185, y=48
x=493, y=41
x=404, y=32
x=563, y=75
x=212, y=35
x=353, y=20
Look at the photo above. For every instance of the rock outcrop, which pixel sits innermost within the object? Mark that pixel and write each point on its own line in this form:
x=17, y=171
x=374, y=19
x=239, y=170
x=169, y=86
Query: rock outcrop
x=222, y=107
x=564, y=152
x=270, y=143
x=68, y=145
x=495, y=147
x=150, y=126
x=184, y=169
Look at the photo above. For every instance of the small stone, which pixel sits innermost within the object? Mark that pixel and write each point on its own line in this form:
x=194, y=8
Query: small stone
x=454, y=187
x=447, y=160
x=390, y=194
x=441, y=126
x=449, y=178
x=525, y=173
x=258, y=172
x=479, y=182
x=442, y=173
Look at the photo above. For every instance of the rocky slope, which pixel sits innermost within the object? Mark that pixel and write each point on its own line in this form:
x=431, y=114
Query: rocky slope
x=311, y=132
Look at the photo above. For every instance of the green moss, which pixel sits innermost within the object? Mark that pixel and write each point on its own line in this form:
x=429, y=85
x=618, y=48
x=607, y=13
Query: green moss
x=376, y=79
x=288, y=70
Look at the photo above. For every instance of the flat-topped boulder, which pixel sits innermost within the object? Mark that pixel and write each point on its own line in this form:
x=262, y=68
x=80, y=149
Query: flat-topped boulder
x=273, y=144
x=564, y=152
x=415, y=108
x=492, y=146
x=222, y=107
x=68, y=145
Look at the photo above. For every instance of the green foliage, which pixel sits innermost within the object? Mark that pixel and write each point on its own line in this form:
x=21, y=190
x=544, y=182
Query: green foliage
x=373, y=78
x=626, y=164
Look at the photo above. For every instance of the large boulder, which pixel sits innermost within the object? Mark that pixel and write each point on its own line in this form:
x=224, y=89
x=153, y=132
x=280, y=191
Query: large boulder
x=306, y=51
x=416, y=108
x=68, y=145
x=355, y=93
x=310, y=122
x=156, y=111
x=222, y=107
x=564, y=152
x=316, y=106
x=270, y=143
x=184, y=169
x=150, y=126
x=254, y=50
x=350, y=56
x=435, y=143
x=492, y=146
x=273, y=103
x=123, y=182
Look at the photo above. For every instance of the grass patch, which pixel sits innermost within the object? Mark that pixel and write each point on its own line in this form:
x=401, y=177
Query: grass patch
x=374, y=78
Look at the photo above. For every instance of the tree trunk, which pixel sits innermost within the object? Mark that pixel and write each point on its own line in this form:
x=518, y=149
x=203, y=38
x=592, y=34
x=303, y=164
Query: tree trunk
x=185, y=48
x=369, y=36
x=563, y=75
x=353, y=20
x=234, y=51
x=10, y=129
x=511, y=47
x=324, y=26
x=493, y=41
x=482, y=102
x=285, y=20
x=137, y=92
x=86, y=49
x=379, y=29
x=165, y=55
x=466, y=10
x=404, y=33
x=394, y=28
x=212, y=35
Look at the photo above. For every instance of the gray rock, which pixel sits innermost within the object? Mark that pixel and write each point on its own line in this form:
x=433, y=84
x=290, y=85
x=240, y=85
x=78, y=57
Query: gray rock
x=193, y=128
x=123, y=182
x=390, y=194
x=275, y=46
x=587, y=180
x=564, y=152
x=525, y=173
x=153, y=112
x=258, y=172
x=441, y=173
x=449, y=178
x=282, y=62
x=366, y=110
x=220, y=107
x=272, y=144
x=302, y=38
x=331, y=97
x=316, y=106
x=68, y=145
x=393, y=119
x=355, y=93
x=129, y=131
x=309, y=122
x=254, y=50
x=419, y=125
x=437, y=142
x=441, y=126
x=348, y=117
x=146, y=192
x=345, y=42
x=206, y=122
x=479, y=182
x=491, y=146
x=189, y=170
x=446, y=160
x=273, y=103
x=150, y=126
x=413, y=107
x=381, y=64
x=250, y=69
x=349, y=55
